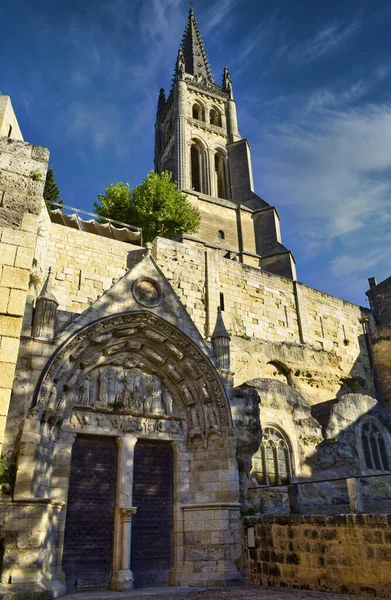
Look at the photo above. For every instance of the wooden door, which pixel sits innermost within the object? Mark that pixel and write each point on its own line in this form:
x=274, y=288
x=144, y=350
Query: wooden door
x=89, y=527
x=152, y=526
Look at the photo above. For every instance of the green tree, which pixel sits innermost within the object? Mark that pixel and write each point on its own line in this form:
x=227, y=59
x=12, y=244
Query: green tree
x=156, y=206
x=51, y=192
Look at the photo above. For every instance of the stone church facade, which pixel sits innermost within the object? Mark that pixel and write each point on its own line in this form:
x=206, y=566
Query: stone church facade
x=151, y=396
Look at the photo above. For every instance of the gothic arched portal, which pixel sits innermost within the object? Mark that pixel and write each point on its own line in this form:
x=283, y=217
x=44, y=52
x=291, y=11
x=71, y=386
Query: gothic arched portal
x=133, y=377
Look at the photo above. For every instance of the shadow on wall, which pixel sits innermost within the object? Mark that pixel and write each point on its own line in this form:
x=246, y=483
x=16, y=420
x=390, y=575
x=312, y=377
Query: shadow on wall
x=282, y=439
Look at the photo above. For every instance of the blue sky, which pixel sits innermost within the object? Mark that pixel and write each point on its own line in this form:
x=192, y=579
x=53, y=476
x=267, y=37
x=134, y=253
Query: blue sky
x=312, y=81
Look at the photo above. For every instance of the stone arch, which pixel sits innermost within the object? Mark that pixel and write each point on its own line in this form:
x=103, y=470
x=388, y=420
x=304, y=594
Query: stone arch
x=198, y=165
x=198, y=427
x=105, y=350
x=275, y=369
x=141, y=340
x=220, y=171
x=198, y=111
x=215, y=116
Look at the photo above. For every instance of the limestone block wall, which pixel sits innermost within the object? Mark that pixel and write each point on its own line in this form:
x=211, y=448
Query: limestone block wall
x=340, y=553
x=85, y=265
x=9, y=125
x=22, y=175
x=382, y=357
x=318, y=337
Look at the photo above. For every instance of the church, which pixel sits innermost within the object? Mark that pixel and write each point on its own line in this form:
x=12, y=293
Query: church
x=160, y=406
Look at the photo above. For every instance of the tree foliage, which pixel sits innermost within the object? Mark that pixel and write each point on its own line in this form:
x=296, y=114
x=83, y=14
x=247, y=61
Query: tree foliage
x=51, y=192
x=156, y=206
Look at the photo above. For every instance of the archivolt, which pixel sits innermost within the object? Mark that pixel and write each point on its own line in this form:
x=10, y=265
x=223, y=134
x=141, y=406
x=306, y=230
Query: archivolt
x=147, y=342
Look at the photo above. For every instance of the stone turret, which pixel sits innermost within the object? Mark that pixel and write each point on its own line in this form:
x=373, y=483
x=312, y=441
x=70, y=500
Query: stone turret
x=221, y=343
x=45, y=315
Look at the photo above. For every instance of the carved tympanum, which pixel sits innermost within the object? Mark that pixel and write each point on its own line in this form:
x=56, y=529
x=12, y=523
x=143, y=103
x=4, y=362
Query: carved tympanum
x=115, y=388
x=139, y=369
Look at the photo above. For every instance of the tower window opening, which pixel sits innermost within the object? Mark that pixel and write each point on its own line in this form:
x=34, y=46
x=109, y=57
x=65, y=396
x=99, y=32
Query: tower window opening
x=374, y=448
x=10, y=131
x=221, y=301
x=220, y=178
x=221, y=234
x=215, y=118
x=195, y=168
x=272, y=462
x=197, y=112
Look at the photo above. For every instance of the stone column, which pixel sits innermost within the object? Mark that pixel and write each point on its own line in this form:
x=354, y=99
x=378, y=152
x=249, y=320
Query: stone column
x=232, y=121
x=122, y=578
x=180, y=171
x=212, y=173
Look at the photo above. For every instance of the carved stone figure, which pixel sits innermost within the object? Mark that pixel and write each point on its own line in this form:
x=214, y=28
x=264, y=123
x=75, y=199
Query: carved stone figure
x=106, y=388
x=85, y=392
x=133, y=390
x=211, y=416
x=186, y=394
x=195, y=425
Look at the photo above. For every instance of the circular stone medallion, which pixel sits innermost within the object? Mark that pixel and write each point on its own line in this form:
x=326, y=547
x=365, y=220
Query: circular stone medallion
x=147, y=291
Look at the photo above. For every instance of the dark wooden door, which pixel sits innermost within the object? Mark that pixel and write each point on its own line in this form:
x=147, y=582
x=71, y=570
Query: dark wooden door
x=152, y=526
x=89, y=527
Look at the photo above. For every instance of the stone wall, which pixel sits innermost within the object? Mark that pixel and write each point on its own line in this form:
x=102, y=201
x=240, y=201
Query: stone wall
x=9, y=125
x=22, y=176
x=341, y=553
x=85, y=265
x=319, y=338
x=379, y=295
x=381, y=350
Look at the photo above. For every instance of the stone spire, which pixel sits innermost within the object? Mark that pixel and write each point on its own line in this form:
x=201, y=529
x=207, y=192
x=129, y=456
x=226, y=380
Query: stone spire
x=221, y=343
x=161, y=105
x=227, y=83
x=194, y=54
x=45, y=314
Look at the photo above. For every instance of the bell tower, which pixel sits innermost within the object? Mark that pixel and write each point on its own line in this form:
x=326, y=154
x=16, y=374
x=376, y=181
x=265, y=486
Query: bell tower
x=197, y=121
x=198, y=141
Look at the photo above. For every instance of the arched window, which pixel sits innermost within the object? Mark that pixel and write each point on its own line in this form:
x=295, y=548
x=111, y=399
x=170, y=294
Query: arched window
x=197, y=112
x=221, y=234
x=374, y=447
x=215, y=117
x=197, y=167
x=272, y=462
x=220, y=175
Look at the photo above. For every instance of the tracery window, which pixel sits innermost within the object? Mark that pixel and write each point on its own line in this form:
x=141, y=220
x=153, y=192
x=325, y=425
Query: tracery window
x=374, y=447
x=272, y=462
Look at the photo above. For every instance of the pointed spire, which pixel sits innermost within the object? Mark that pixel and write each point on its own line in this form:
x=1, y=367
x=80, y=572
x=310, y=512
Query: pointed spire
x=45, y=313
x=227, y=83
x=161, y=103
x=47, y=292
x=195, y=57
x=221, y=343
x=220, y=330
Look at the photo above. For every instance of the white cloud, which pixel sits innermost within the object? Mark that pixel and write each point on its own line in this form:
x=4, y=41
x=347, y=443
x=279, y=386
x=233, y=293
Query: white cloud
x=329, y=38
x=333, y=168
x=216, y=15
